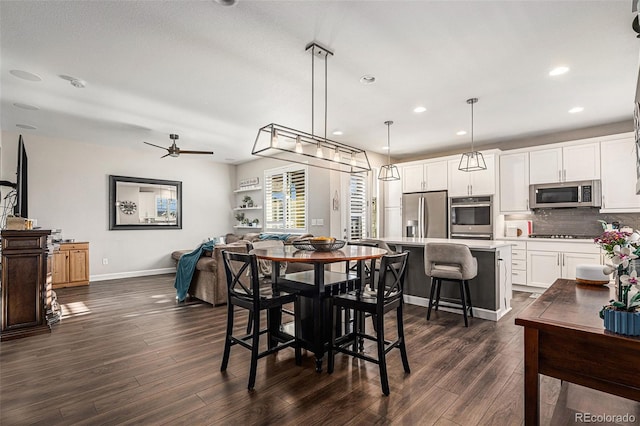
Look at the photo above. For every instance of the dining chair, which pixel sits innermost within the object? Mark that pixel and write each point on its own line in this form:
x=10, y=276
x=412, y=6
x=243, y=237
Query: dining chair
x=244, y=291
x=385, y=298
x=453, y=263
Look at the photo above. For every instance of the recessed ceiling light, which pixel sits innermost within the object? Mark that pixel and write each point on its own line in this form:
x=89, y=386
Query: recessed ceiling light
x=338, y=132
x=226, y=2
x=26, y=106
x=25, y=75
x=367, y=79
x=461, y=132
x=576, y=110
x=558, y=71
x=26, y=126
x=419, y=109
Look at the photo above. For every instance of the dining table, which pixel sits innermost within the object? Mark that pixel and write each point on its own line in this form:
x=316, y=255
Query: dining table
x=313, y=317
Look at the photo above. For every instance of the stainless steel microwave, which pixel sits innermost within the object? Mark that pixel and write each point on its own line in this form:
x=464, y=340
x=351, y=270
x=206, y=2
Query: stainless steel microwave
x=565, y=194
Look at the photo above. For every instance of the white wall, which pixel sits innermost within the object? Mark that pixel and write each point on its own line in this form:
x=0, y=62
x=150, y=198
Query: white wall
x=69, y=189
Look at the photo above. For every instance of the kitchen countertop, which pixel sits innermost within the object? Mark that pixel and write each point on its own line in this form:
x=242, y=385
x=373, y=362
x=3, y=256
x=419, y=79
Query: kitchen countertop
x=555, y=240
x=472, y=244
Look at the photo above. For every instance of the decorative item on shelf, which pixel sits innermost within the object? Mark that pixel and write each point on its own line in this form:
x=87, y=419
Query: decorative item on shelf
x=240, y=217
x=472, y=161
x=255, y=222
x=247, y=201
x=287, y=144
x=621, y=315
x=249, y=183
x=389, y=171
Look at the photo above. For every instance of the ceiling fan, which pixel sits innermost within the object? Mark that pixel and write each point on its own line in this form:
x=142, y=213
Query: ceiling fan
x=174, y=151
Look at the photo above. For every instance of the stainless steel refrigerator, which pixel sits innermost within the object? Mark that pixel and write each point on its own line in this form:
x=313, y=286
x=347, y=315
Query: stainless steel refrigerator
x=424, y=215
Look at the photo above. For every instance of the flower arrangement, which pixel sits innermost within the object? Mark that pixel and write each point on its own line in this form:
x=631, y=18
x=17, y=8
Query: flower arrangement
x=621, y=247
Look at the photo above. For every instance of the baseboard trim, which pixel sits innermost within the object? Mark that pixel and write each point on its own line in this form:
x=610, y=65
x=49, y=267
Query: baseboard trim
x=448, y=307
x=528, y=288
x=131, y=274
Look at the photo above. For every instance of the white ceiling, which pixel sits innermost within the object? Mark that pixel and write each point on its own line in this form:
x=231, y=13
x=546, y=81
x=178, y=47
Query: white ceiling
x=215, y=74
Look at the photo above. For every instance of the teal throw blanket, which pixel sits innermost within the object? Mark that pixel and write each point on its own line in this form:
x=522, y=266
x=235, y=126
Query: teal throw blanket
x=186, y=267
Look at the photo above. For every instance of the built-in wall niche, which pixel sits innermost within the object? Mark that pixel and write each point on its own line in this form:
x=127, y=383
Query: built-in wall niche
x=144, y=203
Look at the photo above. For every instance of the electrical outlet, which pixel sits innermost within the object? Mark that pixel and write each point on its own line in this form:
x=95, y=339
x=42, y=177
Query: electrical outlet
x=105, y=261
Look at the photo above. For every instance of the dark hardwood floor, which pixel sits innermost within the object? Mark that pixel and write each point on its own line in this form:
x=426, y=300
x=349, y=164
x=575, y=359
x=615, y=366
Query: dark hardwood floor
x=127, y=353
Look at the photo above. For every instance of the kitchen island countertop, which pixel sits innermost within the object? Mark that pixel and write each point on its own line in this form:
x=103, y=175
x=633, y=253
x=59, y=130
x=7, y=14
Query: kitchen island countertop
x=472, y=244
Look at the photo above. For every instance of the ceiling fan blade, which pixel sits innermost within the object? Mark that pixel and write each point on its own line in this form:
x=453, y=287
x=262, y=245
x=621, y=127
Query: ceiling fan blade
x=166, y=155
x=157, y=146
x=182, y=151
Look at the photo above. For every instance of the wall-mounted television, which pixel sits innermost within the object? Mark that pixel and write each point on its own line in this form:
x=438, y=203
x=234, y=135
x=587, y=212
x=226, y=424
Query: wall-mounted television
x=22, y=197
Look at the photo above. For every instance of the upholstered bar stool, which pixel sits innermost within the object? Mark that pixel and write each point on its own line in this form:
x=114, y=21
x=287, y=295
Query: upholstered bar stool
x=453, y=263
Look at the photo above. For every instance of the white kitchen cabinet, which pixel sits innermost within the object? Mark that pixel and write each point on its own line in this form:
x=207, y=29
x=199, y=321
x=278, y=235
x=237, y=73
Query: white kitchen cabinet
x=392, y=222
x=548, y=261
x=619, y=176
x=519, y=263
x=514, y=182
x=565, y=164
x=392, y=193
x=482, y=182
x=430, y=176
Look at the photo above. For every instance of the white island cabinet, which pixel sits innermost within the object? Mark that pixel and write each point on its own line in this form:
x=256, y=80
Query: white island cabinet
x=619, y=176
x=565, y=164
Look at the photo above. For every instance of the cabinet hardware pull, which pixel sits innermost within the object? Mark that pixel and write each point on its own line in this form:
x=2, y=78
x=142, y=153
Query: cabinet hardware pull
x=558, y=259
x=560, y=175
x=564, y=175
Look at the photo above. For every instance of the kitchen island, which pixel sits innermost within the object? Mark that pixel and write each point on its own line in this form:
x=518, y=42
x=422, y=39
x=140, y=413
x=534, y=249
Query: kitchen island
x=490, y=290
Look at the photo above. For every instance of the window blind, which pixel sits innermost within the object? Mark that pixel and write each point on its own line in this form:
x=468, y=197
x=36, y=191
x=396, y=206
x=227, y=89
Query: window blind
x=286, y=199
x=357, y=206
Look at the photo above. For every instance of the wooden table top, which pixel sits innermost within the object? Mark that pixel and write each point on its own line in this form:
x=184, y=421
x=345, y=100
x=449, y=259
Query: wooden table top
x=567, y=304
x=292, y=254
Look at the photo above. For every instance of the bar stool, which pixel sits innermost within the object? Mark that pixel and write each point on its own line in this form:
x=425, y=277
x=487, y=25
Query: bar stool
x=454, y=263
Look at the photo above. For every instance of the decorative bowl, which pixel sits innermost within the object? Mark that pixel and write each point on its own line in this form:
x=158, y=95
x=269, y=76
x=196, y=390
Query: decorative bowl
x=319, y=245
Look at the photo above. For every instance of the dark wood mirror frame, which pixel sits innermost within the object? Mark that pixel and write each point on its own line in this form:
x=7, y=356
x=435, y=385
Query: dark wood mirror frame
x=125, y=206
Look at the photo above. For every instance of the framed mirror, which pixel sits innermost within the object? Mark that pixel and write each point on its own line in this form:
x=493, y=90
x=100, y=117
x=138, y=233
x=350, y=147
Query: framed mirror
x=141, y=203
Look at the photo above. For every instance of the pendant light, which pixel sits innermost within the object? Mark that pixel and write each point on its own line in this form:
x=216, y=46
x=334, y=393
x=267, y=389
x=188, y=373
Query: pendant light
x=389, y=171
x=472, y=161
x=279, y=142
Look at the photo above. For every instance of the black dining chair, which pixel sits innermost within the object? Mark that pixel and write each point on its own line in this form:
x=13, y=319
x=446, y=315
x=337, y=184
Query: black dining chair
x=244, y=290
x=385, y=298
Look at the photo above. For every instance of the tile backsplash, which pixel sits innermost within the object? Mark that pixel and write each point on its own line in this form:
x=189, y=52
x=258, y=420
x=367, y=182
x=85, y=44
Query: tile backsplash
x=578, y=221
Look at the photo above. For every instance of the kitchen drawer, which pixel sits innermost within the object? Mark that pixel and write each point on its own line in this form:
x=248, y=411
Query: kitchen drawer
x=519, y=254
x=518, y=245
x=520, y=265
x=74, y=246
x=519, y=277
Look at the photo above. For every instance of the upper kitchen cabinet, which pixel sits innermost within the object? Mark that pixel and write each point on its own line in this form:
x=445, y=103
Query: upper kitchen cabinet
x=482, y=182
x=392, y=193
x=619, y=176
x=565, y=164
x=430, y=176
x=514, y=183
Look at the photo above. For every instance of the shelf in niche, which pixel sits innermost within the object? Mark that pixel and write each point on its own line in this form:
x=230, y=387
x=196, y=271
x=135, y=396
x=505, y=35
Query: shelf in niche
x=247, y=227
x=248, y=208
x=252, y=188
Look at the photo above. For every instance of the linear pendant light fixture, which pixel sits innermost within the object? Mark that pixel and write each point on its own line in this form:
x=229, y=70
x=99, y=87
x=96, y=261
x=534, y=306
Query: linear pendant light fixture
x=287, y=144
x=472, y=161
x=389, y=171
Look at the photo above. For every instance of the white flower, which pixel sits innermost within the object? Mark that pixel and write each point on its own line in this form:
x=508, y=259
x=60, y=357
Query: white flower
x=609, y=269
x=634, y=237
x=622, y=256
x=631, y=279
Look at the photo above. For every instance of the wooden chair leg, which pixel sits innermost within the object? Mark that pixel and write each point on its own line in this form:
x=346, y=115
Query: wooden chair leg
x=332, y=342
x=439, y=286
x=227, y=340
x=382, y=361
x=466, y=287
x=255, y=346
x=402, y=346
x=431, y=296
x=297, y=331
x=464, y=303
x=250, y=322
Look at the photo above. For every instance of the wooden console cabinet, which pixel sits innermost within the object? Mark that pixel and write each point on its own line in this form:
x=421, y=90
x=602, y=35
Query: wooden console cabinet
x=25, y=283
x=71, y=265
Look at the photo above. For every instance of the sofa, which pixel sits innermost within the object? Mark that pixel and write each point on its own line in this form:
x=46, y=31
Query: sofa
x=209, y=282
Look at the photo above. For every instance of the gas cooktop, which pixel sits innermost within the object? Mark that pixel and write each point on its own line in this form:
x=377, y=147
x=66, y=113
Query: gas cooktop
x=562, y=236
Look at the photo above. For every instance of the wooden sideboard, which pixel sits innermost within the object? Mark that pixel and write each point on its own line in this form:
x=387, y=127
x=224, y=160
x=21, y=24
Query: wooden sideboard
x=26, y=283
x=71, y=265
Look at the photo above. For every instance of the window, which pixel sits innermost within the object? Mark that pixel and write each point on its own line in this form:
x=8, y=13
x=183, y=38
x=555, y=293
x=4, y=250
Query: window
x=285, y=199
x=358, y=206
